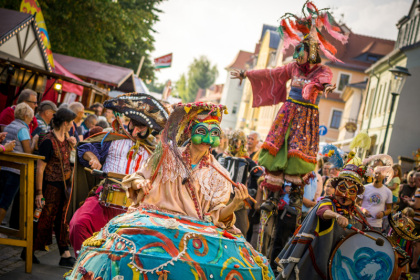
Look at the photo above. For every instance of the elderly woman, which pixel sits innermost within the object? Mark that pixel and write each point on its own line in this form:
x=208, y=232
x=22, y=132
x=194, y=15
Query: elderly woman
x=52, y=183
x=16, y=132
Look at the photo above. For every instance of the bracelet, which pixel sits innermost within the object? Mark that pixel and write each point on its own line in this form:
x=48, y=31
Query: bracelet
x=384, y=213
x=337, y=216
x=242, y=74
x=4, y=149
x=38, y=192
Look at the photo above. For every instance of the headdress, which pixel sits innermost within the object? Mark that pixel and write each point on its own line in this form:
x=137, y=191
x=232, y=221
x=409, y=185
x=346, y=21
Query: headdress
x=140, y=107
x=307, y=29
x=237, y=135
x=386, y=170
x=178, y=129
x=333, y=155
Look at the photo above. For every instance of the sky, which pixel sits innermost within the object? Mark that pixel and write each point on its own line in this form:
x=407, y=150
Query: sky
x=219, y=29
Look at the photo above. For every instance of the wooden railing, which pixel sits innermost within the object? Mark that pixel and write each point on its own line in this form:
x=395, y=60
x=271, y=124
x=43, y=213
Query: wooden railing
x=24, y=236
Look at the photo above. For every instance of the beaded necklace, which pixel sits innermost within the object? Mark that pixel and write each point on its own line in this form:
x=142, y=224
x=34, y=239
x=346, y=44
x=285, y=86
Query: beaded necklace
x=186, y=157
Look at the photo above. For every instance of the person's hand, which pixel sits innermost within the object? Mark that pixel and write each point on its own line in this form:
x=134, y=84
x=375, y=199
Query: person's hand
x=2, y=136
x=367, y=214
x=72, y=140
x=342, y=221
x=241, y=193
x=380, y=215
x=236, y=74
x=38, y=200
x=139, y=188
x=328, y=89
x=8, y=147
x=95, y=164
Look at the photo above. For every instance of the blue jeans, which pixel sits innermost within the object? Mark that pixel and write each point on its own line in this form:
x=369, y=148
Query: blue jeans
x=9, y=186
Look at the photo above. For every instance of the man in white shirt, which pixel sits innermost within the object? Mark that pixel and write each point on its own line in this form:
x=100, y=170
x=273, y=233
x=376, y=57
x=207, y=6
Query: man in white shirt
x=376, y=198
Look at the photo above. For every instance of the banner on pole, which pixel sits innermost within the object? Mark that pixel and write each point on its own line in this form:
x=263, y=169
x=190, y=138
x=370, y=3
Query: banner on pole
x=163, y=61
x=32, y=7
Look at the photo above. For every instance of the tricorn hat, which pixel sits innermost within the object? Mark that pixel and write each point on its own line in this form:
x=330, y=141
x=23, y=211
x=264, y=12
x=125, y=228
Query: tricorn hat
x=140, y=107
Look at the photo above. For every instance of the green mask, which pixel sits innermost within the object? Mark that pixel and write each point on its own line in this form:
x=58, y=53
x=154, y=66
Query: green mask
x=205, y=133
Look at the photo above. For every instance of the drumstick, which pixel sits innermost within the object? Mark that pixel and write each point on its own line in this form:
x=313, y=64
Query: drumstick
x=379, y=241
x=230, y=180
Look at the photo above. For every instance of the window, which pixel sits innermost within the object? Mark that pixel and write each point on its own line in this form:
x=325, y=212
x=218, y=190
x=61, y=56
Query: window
x=343, y=81
x=234, y=109
x=336, y=119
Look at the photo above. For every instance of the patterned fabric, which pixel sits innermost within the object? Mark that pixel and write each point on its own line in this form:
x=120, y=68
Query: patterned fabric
x=52, y=217
x=144, y=243
x=303, y=122
x=169, y=193
x=299, y=113
x=53, y=170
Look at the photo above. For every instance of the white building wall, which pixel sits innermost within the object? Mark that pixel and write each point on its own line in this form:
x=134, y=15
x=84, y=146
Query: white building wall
x=231, y=97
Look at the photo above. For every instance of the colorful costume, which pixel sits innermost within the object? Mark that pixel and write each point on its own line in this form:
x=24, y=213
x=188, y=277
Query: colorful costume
x=307, y=254
x=176, y=232
x=292, y=142
x=119, y=153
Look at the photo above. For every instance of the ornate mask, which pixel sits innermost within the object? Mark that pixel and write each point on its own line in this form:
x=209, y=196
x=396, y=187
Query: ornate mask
x=346, y=189
x=206, y=133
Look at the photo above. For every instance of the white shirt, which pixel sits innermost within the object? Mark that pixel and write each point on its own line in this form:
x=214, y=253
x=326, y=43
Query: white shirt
x=374, y=201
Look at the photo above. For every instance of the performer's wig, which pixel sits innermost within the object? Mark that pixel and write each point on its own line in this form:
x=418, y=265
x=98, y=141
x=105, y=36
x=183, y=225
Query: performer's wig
x=307, y=29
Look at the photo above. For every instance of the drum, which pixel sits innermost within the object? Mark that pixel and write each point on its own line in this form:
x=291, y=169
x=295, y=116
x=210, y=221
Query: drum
x=358, y=257
x=112, y=195
x=237, y=167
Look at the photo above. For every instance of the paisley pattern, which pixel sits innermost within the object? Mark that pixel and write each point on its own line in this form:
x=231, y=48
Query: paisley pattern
x=144, y=243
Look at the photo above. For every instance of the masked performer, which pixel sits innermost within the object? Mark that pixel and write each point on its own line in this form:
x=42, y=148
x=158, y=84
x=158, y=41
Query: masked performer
x=307, y=254
x=122, y=152
x=182, y=219
x=291, y=146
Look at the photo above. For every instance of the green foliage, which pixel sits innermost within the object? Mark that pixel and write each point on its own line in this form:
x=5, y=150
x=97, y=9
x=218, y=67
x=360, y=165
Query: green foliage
x=201, y=74
x=118, y=33
x=181, y=88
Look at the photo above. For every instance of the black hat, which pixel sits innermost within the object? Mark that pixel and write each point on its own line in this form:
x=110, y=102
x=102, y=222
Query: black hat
x=140, y=107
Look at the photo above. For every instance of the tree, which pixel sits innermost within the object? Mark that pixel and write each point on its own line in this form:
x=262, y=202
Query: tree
x=200, y=75
x=181, y=88
x=156, y=87
x=118, y=33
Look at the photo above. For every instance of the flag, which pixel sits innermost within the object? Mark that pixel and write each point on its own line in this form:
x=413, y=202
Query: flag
x=32, y=7
x=163, y=61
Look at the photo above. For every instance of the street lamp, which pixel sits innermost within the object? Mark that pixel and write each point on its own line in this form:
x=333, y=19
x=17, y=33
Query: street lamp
x=400, y=74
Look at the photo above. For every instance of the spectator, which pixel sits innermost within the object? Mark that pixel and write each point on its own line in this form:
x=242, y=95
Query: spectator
x=221, y=149
x=53, y=184
x=329, y=189
x=8, y=147
x=45, y=114
x=252, y=145
x=87, y=124
x=407, y=191
x=18, y=131
x=79, y=110
x=94, y=130
x=28, y=96
x=107, y=113
x=416, y=206
x=394, y=184
x=374, y=200
x=102, y=122
x=97, y=108
x=334, y=171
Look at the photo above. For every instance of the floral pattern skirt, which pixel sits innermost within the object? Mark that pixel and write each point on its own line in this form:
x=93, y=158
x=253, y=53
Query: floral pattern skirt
x=294, y=135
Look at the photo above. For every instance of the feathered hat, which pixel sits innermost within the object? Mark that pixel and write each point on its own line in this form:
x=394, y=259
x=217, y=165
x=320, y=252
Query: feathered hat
x=141, y=107
x=307, y=29
x=333, y=155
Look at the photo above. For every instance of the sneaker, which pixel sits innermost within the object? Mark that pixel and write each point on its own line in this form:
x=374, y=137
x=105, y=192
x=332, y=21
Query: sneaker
x=23, y=257
x=67, y=262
